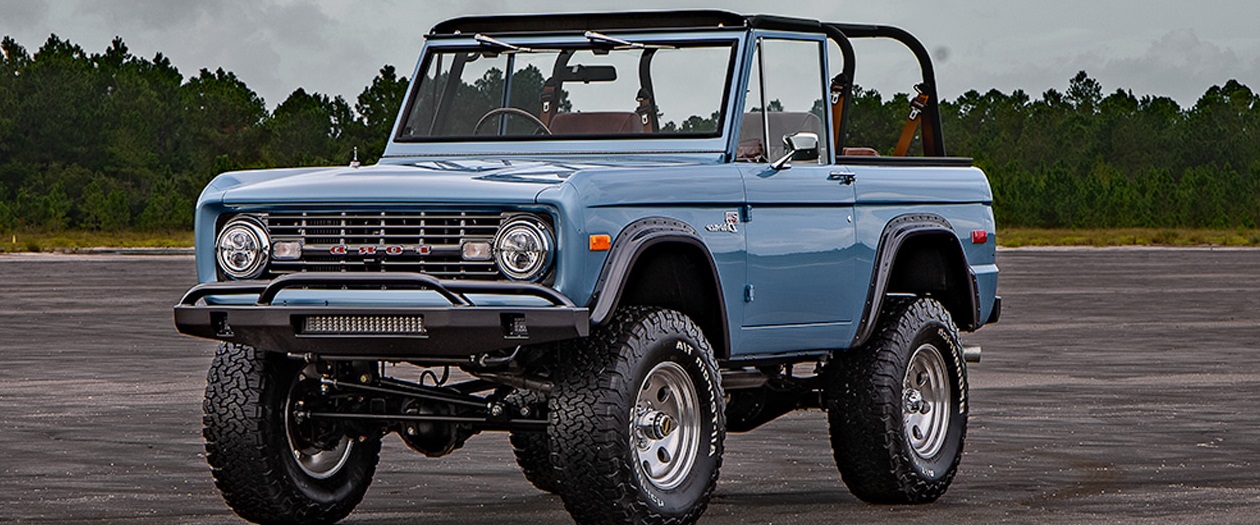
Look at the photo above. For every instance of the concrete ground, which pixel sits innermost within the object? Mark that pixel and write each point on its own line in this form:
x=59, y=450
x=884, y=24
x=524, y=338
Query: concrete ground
x=1119, y=387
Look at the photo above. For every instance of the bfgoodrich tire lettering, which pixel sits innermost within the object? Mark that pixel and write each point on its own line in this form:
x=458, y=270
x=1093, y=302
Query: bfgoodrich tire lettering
x=897, y=406
x=645, y=386
x=251, y=453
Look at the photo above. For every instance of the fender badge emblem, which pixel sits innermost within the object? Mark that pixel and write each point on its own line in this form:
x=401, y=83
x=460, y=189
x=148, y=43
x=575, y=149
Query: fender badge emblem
x=730, y=226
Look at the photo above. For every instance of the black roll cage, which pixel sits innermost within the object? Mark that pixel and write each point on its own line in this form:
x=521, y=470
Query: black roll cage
x=646, y=21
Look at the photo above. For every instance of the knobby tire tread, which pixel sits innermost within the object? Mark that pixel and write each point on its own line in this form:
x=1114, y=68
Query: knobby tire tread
x=241, y=451
x=533, y=449
x=865, y=407
x=588, y=404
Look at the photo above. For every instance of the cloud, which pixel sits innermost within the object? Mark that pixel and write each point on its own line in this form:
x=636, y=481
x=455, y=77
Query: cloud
x=1180, y=65
x=336, y=47
x=1177, y=64
x=273, y=46
x=20, y=13
x=148, y=14
x=300, y=24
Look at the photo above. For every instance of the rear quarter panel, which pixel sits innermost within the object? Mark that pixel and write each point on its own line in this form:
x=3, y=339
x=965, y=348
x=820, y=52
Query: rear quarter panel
x=960, y=195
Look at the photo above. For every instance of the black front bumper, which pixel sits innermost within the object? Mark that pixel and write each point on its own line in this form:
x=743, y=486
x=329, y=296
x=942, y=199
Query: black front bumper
x=457, y=330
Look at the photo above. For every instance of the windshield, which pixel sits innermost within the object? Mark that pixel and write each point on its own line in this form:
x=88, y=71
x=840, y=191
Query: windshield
x=625, y=92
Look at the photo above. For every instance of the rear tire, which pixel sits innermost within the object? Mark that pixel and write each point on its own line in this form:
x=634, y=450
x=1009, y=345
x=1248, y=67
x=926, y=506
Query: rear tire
x=270, y=467
x=636, y=421
x=897, y=406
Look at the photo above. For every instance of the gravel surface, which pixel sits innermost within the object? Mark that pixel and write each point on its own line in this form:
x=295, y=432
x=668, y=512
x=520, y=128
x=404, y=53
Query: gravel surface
x=1117, y=388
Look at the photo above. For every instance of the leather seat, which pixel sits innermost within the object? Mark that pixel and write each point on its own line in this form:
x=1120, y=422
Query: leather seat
x=596, y=123
x=859, y=152
x=781, y=123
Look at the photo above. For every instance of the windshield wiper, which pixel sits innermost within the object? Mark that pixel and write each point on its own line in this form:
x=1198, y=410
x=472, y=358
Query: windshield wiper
x=485, y=40
x=590, y=35
x=600, y=37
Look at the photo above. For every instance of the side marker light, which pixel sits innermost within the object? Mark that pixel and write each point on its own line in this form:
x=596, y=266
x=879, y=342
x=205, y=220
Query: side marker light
x=601, y=243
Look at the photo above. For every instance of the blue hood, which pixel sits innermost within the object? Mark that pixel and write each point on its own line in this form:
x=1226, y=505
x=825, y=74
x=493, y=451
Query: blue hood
x=430, y=181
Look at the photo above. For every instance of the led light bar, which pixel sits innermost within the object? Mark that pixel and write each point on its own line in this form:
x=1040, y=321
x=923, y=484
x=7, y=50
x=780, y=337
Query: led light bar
x=364, y=325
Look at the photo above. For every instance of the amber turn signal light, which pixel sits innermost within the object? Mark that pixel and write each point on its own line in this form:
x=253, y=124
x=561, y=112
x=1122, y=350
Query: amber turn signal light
x=601, y=243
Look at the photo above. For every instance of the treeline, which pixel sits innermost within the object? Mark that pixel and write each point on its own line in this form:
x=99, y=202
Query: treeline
x=1082, y=159
x=112, y=141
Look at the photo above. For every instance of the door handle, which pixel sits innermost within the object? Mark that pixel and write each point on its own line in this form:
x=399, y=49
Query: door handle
x=843, y=177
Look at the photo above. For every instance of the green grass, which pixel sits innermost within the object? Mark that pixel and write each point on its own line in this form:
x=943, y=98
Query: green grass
x=76, y=239
x=1008, y=237
x=1018, y=237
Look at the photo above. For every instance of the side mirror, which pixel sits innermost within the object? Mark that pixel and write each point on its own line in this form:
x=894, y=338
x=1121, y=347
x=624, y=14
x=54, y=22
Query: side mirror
x=801, y=145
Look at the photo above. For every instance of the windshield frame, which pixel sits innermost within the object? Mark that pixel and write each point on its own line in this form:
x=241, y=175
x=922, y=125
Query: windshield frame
x=400, y=146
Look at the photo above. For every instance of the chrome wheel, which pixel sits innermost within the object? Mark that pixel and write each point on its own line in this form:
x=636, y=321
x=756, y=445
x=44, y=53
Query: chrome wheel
x=926, y=401
x=318, y=456
x=665, y=425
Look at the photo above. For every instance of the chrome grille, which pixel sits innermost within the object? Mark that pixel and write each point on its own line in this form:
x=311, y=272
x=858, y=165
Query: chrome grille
x=413, y=241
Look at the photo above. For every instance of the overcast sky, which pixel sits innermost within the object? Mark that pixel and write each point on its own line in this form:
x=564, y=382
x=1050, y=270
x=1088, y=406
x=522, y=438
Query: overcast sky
x=1164, y=47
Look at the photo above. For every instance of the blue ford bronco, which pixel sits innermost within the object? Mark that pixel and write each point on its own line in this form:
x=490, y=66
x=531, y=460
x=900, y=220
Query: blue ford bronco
x=617, y=237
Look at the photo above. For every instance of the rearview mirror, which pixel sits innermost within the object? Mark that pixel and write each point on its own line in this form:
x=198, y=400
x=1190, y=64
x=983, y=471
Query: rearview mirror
x=801, y=145
x=581, y=73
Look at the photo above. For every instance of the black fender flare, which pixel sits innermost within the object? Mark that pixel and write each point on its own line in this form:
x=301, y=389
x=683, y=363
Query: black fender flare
x=633, y=240
x=895, y=234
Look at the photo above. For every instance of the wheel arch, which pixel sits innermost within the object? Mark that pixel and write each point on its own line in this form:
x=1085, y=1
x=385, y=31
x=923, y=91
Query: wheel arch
x=921, y=254
x=663, y=262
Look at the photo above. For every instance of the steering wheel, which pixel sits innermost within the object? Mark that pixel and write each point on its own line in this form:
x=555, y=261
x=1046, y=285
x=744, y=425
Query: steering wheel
x=510, y=111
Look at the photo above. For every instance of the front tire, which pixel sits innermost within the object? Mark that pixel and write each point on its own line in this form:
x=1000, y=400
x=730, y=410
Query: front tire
x=269, y=466
x=636, y=421
x=897, y=406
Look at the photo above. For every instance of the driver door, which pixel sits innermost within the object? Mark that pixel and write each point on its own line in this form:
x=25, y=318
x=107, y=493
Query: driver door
x=799, y=225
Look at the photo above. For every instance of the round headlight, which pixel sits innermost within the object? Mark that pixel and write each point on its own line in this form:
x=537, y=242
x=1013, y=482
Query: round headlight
x=523, y=249
x=242, y=248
